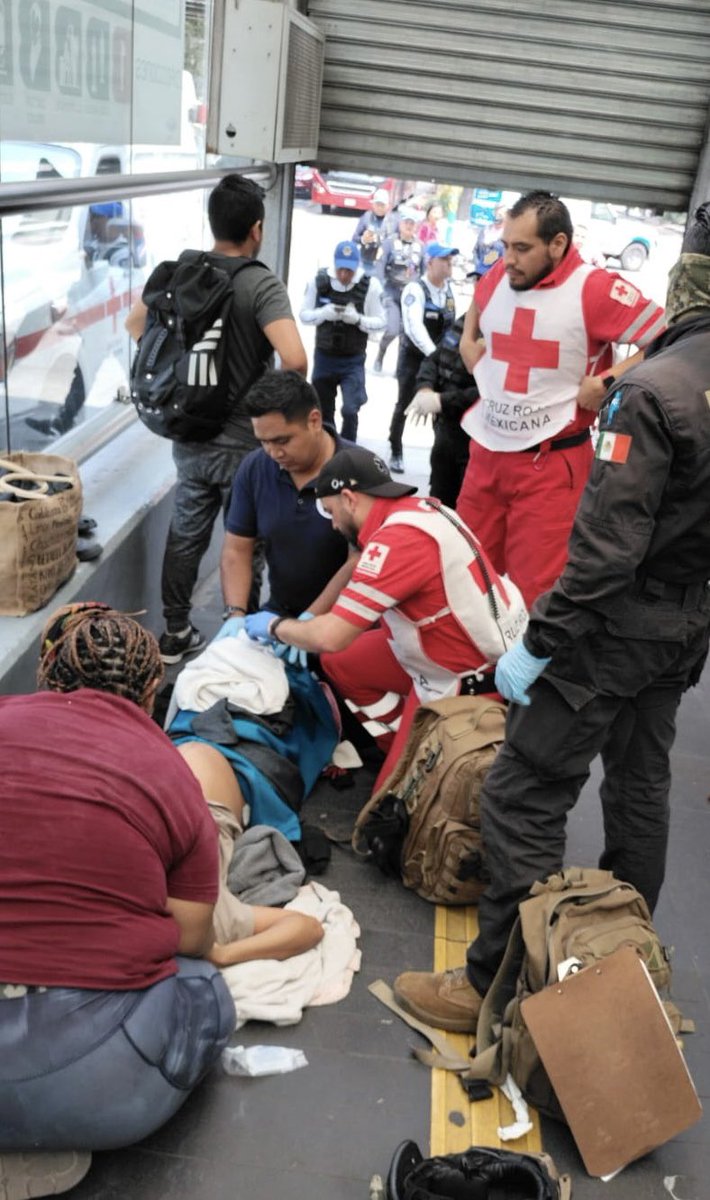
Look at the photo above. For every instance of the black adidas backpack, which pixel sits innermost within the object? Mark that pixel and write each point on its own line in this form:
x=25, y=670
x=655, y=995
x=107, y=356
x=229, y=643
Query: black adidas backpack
x=179, y=377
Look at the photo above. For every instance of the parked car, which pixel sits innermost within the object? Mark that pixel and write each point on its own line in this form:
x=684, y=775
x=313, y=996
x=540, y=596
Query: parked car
x=347, y=190
x=614, y=234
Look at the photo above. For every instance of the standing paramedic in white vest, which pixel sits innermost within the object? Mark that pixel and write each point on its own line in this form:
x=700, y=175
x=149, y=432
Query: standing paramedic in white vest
x=415, y=622
x=538, y=337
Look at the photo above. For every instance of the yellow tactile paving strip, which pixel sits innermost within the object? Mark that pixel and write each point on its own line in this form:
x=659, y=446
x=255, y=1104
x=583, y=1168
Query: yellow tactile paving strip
x=455, y=1123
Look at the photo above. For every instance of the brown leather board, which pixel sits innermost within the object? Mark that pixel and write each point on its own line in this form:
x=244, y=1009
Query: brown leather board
x=619, y=1074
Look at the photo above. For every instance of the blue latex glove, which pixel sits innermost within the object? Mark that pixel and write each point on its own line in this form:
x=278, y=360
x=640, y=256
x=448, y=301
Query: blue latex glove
x=516, y=671
x=230, y=628
x=257, y=626
x=293, y=654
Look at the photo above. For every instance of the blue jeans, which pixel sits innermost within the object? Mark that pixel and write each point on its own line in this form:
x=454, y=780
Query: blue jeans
x=95, y=1070
x=348, y=372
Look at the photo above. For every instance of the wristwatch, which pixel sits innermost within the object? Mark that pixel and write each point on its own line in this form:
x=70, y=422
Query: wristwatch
x=231, y=609
x=609, y=381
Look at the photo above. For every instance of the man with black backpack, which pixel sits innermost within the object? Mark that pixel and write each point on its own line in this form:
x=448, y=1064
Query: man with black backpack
x=207, y=453
x=609, y=650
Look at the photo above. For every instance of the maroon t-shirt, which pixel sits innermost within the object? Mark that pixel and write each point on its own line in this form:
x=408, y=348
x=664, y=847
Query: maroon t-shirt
x=100, y=821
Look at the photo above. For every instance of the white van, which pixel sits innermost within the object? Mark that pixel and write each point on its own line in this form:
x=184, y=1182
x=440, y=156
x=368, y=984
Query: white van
x=71, y=274
x=613, y=235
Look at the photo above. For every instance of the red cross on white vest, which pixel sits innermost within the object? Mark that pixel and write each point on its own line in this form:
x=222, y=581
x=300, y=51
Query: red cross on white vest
x=522, y=351
x=374, y=553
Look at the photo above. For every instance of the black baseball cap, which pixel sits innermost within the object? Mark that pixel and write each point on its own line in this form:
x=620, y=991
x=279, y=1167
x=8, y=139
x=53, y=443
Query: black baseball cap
x=362, y=471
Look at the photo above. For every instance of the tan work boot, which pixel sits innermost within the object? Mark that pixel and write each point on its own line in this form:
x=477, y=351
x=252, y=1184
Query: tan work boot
x=446, y=1000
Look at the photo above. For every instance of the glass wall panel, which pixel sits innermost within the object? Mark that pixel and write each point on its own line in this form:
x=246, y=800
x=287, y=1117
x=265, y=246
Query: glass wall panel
x=69, y=280
x=90, y=88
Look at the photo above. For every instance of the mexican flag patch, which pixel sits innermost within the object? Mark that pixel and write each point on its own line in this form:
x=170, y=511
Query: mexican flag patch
x=613, y=447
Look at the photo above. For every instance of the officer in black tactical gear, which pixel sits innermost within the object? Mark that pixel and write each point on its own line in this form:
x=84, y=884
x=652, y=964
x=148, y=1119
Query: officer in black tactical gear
x=372, y=229
x=428, y=311
x=345, y=305
x=401, y=261
x=445, y=390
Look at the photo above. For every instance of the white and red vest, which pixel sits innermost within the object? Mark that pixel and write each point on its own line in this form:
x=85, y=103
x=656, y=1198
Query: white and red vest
x=537, y=351
x=492, y=618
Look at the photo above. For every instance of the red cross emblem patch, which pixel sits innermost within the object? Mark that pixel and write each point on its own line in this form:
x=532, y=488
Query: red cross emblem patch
x=624, y=292
x=521, y=351
x=373, y=558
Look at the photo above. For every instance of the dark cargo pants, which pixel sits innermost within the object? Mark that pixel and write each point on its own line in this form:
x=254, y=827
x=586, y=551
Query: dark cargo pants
x=544, y=763
x=409, y=361
x=204, y=480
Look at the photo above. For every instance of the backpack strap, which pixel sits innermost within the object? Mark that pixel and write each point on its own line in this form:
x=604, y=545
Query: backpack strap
x=446, y=1053
x=493, y=1038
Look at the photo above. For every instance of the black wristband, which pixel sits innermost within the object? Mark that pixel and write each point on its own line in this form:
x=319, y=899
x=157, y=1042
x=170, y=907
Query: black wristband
x=609, y=381
x=273, y=626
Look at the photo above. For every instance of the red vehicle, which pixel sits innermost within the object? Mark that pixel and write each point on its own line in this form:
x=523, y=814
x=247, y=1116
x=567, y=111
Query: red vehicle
x=346, y=190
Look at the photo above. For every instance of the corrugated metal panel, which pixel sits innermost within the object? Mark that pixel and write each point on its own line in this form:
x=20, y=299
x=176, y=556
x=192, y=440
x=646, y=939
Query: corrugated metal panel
x=600, y=99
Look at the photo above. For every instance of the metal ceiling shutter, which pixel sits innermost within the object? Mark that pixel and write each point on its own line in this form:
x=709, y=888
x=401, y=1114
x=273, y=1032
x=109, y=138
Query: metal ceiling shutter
x=605, y=100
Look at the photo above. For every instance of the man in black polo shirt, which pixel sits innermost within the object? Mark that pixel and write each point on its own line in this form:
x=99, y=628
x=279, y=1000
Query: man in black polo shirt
x=273, y=500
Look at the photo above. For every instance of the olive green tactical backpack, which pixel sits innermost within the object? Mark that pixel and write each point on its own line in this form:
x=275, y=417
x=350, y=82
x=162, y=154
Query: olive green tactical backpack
x=581, y=914
x=423, y=824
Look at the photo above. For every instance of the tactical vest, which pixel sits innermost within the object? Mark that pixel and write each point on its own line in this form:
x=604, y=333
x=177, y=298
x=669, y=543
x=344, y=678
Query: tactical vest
x=451, y=370
x=376, y=225
x=403, y=265
x=438, y=319
x=336, y=337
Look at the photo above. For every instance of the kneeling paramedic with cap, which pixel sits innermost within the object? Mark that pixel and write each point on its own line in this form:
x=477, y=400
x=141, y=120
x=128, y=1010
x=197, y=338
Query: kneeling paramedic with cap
x=420, y=604
x=345, y=305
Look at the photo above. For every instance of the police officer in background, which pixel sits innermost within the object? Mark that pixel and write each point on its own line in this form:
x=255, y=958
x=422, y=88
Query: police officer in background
x=371, y=230
x=401, y=261
x=609, y=650
x=345, y=305
x=428, y=311
x=445, y=390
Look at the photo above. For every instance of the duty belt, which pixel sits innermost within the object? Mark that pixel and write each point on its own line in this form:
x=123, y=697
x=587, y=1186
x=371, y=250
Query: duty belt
x=564, y=443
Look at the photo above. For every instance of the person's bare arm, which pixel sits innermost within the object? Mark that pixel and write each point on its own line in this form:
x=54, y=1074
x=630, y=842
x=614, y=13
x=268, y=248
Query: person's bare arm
x=286, y=341
x=325, y=601
x=592, y=389
x=194, y=921
x=235, y=569
x=278, y=933
x=135, y=321
x=470, y=347
x=323, y=635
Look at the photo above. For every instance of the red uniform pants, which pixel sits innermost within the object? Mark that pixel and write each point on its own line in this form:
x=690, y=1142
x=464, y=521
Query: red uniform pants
x=377, y=690
x=521, y=505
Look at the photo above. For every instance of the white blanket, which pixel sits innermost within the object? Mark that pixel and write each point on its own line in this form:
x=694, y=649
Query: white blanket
x=236, y=669
x=270, y=990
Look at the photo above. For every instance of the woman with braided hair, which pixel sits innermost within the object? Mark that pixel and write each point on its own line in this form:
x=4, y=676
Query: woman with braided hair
x=109, y=873
x=109, y=1012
